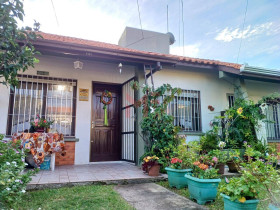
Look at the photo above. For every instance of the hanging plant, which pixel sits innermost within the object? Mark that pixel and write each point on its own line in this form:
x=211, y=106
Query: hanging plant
x=106, y=94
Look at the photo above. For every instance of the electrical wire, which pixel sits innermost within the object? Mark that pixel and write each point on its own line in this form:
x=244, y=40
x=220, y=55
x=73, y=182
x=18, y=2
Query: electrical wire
x=55, y=13
x=242, y=32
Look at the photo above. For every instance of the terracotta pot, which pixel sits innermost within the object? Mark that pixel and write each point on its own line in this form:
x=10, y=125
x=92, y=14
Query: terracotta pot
x=48, y=130
x=221, y=167
x=232, y=167
x=154, y=170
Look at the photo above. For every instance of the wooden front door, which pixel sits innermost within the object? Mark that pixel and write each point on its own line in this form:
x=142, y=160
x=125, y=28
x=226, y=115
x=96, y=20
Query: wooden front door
x=105, y=140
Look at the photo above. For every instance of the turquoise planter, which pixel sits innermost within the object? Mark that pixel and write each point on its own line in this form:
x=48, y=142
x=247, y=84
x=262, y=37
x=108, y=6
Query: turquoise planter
x=176, y=177
x=236, y=205
x=202, y=190
x=273, y=207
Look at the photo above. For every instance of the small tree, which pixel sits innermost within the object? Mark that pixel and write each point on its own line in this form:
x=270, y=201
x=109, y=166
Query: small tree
x=16, y=50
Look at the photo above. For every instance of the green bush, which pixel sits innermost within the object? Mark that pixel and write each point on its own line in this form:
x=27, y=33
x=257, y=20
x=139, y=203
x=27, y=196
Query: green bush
x=209, y=142
x=13, y=179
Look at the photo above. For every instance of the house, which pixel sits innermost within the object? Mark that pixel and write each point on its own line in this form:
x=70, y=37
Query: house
x=67, y=86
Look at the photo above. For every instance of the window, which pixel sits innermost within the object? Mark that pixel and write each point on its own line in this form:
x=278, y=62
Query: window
x=186, y=110
x=230, y=98
x=273, y=121
x=50, y=98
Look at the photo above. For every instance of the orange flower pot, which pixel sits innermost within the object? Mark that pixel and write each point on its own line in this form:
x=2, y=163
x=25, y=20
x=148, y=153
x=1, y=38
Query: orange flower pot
x=154, y=170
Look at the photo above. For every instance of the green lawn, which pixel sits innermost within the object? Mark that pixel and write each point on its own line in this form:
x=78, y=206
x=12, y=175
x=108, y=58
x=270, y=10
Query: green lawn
x=80, y=197
x=217, y=205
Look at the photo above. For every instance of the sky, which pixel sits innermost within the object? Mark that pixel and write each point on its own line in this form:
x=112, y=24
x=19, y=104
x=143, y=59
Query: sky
x=213, y=29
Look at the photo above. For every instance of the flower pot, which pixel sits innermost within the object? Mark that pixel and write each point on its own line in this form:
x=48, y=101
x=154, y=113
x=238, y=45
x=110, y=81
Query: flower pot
x=236, y=205
x=154, y=170
x=232, y=167
x=274, y=206
x=176, y=177
x=202, y=190
x=221, y=167
x=40, y=130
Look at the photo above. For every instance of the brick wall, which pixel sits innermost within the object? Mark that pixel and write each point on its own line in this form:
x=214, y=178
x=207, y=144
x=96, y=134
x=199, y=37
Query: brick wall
x=69, y=158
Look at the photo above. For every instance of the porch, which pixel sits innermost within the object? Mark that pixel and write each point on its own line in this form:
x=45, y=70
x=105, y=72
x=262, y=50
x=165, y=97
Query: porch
x=118, y=172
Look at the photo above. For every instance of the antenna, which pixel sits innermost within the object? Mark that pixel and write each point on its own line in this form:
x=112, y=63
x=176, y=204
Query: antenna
x=183, y=28
x=167, y=17
x=55, y=13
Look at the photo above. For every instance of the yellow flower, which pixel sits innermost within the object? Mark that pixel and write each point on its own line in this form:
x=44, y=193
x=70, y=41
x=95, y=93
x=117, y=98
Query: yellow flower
x=242, y=200
x=239, y=110
x=148, y=158
x=164, y=130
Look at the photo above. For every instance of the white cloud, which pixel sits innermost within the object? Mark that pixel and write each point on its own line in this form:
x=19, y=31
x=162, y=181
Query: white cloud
x=191, y=50
x=229, y=34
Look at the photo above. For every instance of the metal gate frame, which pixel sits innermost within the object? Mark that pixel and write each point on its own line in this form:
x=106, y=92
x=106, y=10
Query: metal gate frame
x=124, y=151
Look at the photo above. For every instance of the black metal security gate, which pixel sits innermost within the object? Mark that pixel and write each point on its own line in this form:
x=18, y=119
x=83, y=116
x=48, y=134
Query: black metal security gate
x=128, y=122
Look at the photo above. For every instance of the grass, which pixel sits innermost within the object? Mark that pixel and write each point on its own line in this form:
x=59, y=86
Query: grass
x=79, y=197
x=218, y=204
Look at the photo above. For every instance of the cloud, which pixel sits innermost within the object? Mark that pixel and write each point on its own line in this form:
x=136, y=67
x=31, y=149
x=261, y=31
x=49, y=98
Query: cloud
x=229, y=34
x=191, y=50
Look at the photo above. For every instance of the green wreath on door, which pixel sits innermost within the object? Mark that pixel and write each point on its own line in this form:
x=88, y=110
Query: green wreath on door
x=106, y=94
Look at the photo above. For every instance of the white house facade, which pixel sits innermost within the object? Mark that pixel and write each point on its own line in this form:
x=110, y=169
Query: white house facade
x=70, y=96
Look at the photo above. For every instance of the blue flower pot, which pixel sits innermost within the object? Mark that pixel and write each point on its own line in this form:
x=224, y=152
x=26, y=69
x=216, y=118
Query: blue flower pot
x=273, y=207
x=236, y=205
x=176, y=177
x=202, y=190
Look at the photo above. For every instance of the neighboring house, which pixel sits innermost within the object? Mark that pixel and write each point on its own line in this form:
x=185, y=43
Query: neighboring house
x=52, y=89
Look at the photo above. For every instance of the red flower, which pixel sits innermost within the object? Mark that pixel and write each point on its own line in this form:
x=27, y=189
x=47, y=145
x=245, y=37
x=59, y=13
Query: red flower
x=45, y=121
x=174, y=160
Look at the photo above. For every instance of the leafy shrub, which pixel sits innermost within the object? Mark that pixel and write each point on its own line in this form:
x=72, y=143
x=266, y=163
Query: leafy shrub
x=158, y=131
x=13, y=179
x=209, y=142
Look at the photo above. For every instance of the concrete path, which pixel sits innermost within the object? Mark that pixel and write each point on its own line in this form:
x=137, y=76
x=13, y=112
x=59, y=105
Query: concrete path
x=151, y=196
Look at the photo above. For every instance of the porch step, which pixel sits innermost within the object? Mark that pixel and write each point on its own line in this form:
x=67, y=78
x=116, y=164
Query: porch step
x=150, y=196
x=55, y=185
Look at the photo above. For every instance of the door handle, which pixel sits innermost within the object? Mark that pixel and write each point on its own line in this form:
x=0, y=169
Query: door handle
x=92, y=124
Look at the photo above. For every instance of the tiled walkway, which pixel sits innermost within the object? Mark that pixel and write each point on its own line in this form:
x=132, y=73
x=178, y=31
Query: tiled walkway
x=90, y=173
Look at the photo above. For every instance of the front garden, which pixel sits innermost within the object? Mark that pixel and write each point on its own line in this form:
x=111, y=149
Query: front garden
x=234, y=140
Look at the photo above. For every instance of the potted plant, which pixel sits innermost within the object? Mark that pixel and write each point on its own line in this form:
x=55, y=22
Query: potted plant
x=181, y=165
x=40, y=125
x=233, y=161
x=203, y=183
x=218, y=160
x=176, y=173
x=240, y=193
x=151, y=166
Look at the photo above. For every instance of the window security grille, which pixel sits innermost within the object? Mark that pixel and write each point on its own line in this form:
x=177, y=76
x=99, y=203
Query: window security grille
x=230, y=98
x=273, y=121
x=50, y=98
x=186, y=110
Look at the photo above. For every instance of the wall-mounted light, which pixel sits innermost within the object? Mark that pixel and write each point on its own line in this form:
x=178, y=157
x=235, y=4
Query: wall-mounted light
x=120, y=67
x=78, y=65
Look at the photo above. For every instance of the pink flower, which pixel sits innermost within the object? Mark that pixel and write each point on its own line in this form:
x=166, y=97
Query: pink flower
x=215, y=159
x=36, y=120
x=36, y=124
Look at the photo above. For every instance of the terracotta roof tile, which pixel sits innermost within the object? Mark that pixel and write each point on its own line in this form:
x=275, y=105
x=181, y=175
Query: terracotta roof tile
x=106, y=46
